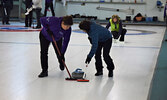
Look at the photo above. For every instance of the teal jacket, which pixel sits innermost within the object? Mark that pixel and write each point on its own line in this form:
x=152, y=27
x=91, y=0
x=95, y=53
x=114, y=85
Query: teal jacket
x=97, y=34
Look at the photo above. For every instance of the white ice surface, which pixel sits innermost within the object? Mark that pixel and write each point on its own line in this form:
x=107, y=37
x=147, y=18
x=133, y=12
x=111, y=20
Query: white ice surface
x=134, y=65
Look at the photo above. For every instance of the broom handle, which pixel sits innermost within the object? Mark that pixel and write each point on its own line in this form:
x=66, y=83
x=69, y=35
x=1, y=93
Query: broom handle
x=60, y=55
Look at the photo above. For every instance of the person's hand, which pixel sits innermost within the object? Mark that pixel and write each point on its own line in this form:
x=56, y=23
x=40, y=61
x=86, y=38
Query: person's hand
x=33, y=6
x=88, y=59
x=62, y=56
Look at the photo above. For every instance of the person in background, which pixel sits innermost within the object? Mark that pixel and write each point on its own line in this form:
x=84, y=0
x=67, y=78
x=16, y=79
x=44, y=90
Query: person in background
x=37, y=7
x=60, y=28
x=7, y=6
x=28, y=18
x=139, y=18
x=116, y=28
x=100, y=38
x=49, y=3
x=165, y=13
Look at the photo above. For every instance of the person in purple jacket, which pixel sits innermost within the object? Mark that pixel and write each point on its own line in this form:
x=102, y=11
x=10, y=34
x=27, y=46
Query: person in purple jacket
x=60, y=28
x=49, y=3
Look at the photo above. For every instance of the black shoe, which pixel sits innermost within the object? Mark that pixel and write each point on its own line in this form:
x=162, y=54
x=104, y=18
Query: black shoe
x=37, y=27
x=110, y=74
x=166, y=40
x=61, y=67
x=99, y=73
x=7, y=23
x=43, y=74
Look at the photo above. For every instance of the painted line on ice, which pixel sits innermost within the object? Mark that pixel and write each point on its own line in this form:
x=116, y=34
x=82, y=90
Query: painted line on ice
x=121, y=46
x=26, y=43
x=139, y=32
x=19, y=43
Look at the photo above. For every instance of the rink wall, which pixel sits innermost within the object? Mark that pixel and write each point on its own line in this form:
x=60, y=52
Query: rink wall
x=158, y=88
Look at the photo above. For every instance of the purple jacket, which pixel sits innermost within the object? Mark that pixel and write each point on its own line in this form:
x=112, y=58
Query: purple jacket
x=54, y=24
x=48, y=1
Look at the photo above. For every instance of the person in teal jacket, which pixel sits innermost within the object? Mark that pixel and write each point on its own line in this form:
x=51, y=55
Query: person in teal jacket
x=100, y=38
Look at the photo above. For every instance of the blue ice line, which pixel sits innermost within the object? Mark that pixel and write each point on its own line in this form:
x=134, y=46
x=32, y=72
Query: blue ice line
x=84, y=45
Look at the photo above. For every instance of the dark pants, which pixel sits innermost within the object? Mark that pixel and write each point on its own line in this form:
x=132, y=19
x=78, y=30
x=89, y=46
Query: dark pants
x=44, y=45
x=6, y=15
x=106, y=46
x=166, y=21
x=47, y=5
x=116, y=35
x=28, y=20
x=38, y=15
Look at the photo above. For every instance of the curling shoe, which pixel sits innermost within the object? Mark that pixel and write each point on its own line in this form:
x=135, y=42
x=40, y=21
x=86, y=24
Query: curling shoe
x=61, y=67
x=43, y=74
x=99, y=73
x=110, y=74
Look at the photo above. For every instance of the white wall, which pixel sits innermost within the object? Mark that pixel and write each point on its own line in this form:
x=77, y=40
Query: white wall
x=60, y=10
x=149, y=9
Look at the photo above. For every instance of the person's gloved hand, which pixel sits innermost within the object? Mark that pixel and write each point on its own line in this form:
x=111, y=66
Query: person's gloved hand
x=33, y=6
x=88, y=59
x=62, y=56
x=49, y=32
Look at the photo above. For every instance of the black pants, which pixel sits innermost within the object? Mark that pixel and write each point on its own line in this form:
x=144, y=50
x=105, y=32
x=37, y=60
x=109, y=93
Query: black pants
x=28, y=19
x=44, y=45
x=106, y=46
x=47, y=5
x=166, y=21
x=6, y=15
x=38, y=15
x=116, y=35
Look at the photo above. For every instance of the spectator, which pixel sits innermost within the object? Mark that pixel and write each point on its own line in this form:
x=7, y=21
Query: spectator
x=49, y=3
x=7, y=6
x=28, y=19
x=165, y=14
x=116, y=28
x=37, y=7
